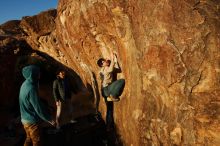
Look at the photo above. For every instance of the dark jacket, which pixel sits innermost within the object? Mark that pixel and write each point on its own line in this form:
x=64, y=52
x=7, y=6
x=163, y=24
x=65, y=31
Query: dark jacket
x=61, y=90
x=31, y=107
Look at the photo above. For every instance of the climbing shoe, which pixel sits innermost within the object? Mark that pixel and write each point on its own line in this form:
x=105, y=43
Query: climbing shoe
x=111, y=98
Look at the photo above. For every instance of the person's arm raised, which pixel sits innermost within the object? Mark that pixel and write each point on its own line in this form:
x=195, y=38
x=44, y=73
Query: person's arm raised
x=111, y=67
x=116, y=61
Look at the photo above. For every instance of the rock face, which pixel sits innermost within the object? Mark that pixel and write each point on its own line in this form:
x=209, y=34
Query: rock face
x=33, y=41
x=169, y=54
x=11, y=47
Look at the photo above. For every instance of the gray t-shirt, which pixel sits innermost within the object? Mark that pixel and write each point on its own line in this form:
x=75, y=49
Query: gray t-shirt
x=106, y=76
x=106, y=72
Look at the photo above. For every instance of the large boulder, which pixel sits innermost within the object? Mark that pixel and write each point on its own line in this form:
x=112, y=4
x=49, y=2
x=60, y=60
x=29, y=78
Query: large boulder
x=169, y=54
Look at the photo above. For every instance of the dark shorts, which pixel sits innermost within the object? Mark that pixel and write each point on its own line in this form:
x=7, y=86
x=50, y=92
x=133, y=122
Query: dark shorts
x=115, y=88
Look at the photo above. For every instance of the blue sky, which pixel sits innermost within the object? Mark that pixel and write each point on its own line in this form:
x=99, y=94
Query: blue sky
x=16, y=9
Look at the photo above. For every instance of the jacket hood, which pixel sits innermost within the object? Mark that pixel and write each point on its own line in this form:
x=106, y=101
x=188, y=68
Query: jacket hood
x=31, y=72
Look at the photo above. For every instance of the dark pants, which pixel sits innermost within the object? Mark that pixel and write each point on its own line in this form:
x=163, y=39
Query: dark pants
x=109, y=114
x=32, y=135
x=115, y=88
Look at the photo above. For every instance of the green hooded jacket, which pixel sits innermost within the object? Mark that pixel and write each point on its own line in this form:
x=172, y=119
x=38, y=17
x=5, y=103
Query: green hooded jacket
x=31, y=107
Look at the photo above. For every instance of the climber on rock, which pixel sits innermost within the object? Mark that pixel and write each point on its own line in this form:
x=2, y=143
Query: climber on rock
x=111, y=90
